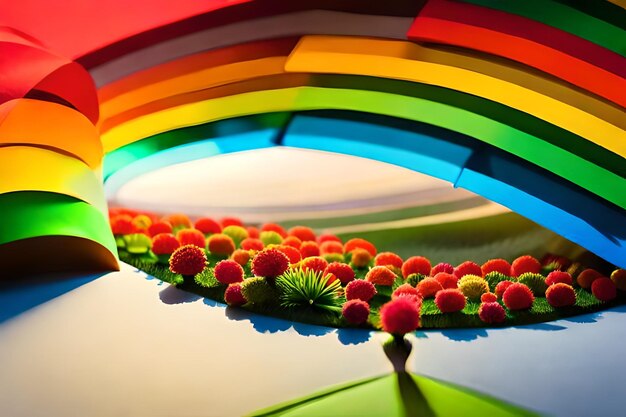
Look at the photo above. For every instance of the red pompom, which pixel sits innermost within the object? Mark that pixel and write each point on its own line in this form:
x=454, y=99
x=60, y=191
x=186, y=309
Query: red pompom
x=491, y=313
x=450, y=300
x=525, y=264
x=496, y=265
x=619, y=279
x=587, y=277
x=178, y=220
x=400, y=315
x=555, y=277
x=228, y=272
x=221, y=245
x=518, y=297
x=604, y=289
x=380, y=275
x=252, y=244
x=488, y=297
x=388, y=258
x=191, y=237
x=270, y=263
x=343, y=272
x=188, y=260
x=328, y=238
x=208, y=226
x=416, y=265
x=428, y=287
x=231, y=221
x=442, y=267
x=360, y=258
x=560, y=295
x=164, y=244
x=309, y=248
x=158, y=228
x=446, y=280
x=122, y=225
x=292, y=241
x=405, y=289
x=292, y=253
x=253, y=232
x=360, y=289
x=468, y=268
x=303, y=233
x=330, y=247
x=233, y=295
x=355, y=243
x=241, y=256
x=314, y=263
x=501, y=287
x=356, y=311
x=273, y=227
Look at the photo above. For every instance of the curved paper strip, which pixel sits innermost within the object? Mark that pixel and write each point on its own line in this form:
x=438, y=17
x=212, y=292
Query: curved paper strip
x=544, y=58
x=29, y=214
x=25, y=68
x=566, y=18
x=45, y=254
x=24, y=168
x=267, y=27
x=502, y=135
x=57, y=127
x=407, y=61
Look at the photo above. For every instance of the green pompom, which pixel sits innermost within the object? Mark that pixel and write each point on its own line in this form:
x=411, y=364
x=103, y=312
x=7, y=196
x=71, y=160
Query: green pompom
x=137, y=243
x=270, y=237
x=258, y=291
x=536, y=283
x=236, y=233
x=494, y=278
x=414, y=279
x=334, y=257
x=207, y=279
x=473, y=286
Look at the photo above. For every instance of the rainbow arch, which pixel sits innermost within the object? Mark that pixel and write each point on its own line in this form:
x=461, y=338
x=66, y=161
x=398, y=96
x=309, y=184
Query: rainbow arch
x=521, y=102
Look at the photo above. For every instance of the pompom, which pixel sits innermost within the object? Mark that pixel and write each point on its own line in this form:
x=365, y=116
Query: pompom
x=328, y=238
x=586, y=278
x=525, y=264
x=270, y=263
x=253, y=232
x=330, y=247
x=491, y=313
x=164, y=244
x=603, y=289
x=292, y=241
x=404, y=290
x=302, y=232
x=137, y=243
x=355, y=311
x=191, y=237
x=442, y=267
x=468, y=268
x=488, y=297
x=560, y=294
x=446, y=280
x=416, y=265
x=241, y=256
x=188, y=260
x=415, y=279
x=400, y=315
x=273, y=227
x=252, y=244
x=518, y=297
x=270, y=238
x=501, y=287
x=220, y=245
x=208, y=226
x=231, y=221
x=236, y=233
x=158, y=228
x=228, y=272
x=142, y=222
x=309, y=248
x=450, y=300
x=360, y=258
x=361, y=290
x=178, y=221
x=355, y=243
x=292, y=253
x=619, y=279
x=388, y=258
x=380, y=275
x=536, y=283
x=334, y=257
x=555, y=277
x=343, y=272
x=258, y=291
x=314, y=263
x=233, y=295
x=494, y=278
x=122, y=225
x=496, y=265
x=428, y=287
x=473, y=286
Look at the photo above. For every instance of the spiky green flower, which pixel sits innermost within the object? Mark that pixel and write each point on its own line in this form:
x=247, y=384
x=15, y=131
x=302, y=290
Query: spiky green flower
x=137, y=243
x=414, y=279
x=270, y=237
x=536, y=283
x=494, y=278
x=473, y=286
x=236, y=233
x=207, y=279
x=306, y=288
x=258, y=291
